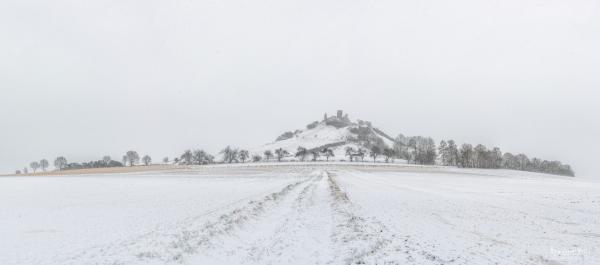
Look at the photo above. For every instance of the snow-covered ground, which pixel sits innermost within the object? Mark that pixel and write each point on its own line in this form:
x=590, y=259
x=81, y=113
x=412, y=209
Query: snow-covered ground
x=337, y=139
x=301, y=214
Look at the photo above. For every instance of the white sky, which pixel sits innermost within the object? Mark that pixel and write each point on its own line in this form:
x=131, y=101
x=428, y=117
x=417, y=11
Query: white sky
x=88, y=78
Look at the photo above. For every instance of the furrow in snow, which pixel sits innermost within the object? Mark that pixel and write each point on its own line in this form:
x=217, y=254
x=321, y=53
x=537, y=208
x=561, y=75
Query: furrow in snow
x=358, y=239
x=176, y=244
x=297, y=232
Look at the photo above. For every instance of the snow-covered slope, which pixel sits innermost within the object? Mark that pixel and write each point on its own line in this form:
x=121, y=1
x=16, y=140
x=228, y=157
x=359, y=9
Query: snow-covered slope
x=312, y=138
x=336, y=133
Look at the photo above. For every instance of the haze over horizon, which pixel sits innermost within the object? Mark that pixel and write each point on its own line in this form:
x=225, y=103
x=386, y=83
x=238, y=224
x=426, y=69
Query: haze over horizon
x=87, y=79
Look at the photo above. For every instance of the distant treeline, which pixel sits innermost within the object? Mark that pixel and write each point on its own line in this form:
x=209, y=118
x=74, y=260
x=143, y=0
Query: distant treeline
x=61, y=163
x=482, y=157
x=93, y=164
x=416, y=149
x=422, y=150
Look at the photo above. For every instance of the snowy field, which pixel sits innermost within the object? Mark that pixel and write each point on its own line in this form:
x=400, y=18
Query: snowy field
x=308, y=214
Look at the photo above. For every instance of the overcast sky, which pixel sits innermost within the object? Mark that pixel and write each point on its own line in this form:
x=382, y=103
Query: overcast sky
x=85, y=79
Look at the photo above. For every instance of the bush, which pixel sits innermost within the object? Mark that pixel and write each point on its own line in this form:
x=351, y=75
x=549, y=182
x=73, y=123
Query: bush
x=312, y=125
x=285, y=136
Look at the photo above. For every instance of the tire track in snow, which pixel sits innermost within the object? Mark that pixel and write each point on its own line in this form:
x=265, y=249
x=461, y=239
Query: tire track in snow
x=294, y=238
x=409, y=248
x=322, y=226
x=297, y=232
x=190, y=240
x=357, y=239
x=370, y=241
x=179, y=243
x=420, y=251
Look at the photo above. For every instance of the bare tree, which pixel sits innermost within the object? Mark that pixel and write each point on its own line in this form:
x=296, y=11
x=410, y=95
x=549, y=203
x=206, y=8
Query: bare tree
x=480, y=156
x=389, y=154
x=350, y=152
x=146, y=160
x=536, y=164
x=375, y=151
x=244, y=155
x=60, y=162
x=256, y=158
x=166, y=160
x=424, y=150
x=106, y=159
x=315, y=154
x=201, y=157
x=230, y=154
x=509, y=161
x=268, y=155
x=523, y=161
x=360, y=152
x=466, y=155
x=208, y=159
x=187, y=157
x=124, y=160
x=234, y=156
x=452, y=151
x=281, y=153
x=25, y=171
x=198, y=157
x=18, y=172
x=327, y=152
x=443, y=151
x=132, y=157
x=34, y=166
x=400, y=147
x=412, y=143
x=301, y=153
x=496, y=157
x=44, y=164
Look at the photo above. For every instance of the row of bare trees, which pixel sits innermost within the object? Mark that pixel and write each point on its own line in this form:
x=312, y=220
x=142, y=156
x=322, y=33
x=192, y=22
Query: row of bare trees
x=420, y=150
x=35, y=165
x=353, y=155
x=314, y=154
x=302, y=153
x=415, y=149
x=61, y=163
x=374, y=152
x=235, y=155
x=43, y=164
x=195, y=157
x=133, y=158
x=201, y=157
x=481, y=157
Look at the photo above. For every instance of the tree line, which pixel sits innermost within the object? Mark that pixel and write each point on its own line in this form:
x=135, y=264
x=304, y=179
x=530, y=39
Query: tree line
x=480, y=156
x=422, y=150
x=415, y=149
x=61, y=163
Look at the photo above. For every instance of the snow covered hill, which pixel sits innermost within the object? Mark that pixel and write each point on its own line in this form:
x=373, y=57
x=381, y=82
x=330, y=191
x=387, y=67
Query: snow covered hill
x=335, y=132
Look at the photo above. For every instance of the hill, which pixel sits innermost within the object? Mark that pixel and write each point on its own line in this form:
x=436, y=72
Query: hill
x=335, y=132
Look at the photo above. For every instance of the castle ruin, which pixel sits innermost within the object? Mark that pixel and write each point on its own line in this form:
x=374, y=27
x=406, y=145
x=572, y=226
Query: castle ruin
x=339, y=120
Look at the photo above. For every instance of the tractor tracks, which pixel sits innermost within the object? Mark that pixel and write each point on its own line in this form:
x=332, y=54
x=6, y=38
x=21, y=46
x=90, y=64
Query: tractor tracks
x=174, y=245
x=358, y=239
x=311, y=221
